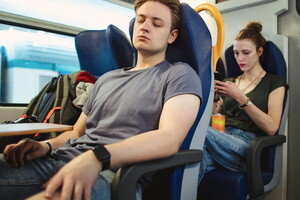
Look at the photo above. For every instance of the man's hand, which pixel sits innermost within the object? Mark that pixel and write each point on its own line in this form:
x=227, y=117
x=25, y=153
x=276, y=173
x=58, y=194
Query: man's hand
x=23, y=151
x=76, y=178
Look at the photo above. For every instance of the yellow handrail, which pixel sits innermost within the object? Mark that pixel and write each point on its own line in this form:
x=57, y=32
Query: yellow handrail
x=217, y=49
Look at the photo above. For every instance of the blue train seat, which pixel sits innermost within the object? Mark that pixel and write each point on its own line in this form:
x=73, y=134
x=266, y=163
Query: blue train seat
x=100, y=51
x=179, y=172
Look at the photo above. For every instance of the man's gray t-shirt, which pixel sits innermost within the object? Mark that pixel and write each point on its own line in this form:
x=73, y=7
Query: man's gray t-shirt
x=125, y=103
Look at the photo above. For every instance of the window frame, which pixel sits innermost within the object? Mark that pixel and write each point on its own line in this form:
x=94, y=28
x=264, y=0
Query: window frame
x=231, y=5
x=38, y=24
x=125, y=3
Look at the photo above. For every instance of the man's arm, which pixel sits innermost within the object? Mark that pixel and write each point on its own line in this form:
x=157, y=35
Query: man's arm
x=29, y=150
x=177, y=117
x=78, y=130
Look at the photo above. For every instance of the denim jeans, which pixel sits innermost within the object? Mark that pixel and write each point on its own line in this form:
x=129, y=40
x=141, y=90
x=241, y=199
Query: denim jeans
x=227, y=149
x=19, y=183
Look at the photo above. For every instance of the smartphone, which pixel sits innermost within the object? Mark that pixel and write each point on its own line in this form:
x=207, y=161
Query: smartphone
x=217, y=76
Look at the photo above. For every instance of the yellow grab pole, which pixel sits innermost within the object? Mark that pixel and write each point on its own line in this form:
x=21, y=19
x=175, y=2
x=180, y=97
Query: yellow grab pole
x=217, y=49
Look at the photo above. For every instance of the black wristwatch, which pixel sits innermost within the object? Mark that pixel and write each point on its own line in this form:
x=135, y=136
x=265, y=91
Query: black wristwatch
x=103, y=155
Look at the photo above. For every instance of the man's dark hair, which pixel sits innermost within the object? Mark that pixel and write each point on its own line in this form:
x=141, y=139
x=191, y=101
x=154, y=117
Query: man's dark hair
x=174, y=6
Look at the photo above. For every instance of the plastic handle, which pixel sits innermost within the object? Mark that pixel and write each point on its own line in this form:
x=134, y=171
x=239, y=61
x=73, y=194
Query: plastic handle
x=217, y=49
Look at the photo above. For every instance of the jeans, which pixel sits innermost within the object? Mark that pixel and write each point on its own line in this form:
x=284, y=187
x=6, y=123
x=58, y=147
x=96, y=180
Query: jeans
x=20, y=183
x=228, y=150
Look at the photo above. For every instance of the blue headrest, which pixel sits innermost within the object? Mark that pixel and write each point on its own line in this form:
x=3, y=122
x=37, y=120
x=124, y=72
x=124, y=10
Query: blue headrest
x=100, y=51
x=193, y=46
x=272, y=61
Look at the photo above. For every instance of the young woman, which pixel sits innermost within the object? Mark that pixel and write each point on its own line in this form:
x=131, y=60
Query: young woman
x=252, y=104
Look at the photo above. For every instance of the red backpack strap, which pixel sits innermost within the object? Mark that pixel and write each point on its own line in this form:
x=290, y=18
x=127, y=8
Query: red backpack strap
x=50, y=113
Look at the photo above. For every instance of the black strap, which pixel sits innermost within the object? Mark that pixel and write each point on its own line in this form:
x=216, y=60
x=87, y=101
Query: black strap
x=47, y=107
x=41, y=99
x=48, y=94
x=60, y=90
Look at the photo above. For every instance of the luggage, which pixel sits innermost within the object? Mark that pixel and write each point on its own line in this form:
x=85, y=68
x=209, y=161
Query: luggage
x=53, y=104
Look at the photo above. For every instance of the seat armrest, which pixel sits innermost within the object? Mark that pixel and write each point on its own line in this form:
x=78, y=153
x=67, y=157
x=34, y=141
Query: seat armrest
x=124, y=183
x=254, y=175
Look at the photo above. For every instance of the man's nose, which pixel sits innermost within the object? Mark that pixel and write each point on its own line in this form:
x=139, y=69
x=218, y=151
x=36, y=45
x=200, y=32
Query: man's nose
x=145, y=27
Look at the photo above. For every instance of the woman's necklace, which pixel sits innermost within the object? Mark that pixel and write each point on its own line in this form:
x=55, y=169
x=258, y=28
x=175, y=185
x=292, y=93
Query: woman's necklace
x=251, y=82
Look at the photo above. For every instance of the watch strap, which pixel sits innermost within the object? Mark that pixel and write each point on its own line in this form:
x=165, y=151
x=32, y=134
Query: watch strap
x=102, y=155
x=248, y=102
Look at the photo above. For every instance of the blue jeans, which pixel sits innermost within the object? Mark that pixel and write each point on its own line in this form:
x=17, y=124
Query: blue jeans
x=227, y=149
x=19, y=183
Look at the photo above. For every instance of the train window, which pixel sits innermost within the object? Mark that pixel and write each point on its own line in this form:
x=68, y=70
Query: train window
x=37, y=40
x=29, y=59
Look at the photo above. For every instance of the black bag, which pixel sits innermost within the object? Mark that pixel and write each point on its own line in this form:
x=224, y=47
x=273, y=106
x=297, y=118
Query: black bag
x=53, y=104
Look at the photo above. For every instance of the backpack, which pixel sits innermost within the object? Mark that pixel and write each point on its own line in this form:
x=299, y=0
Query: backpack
x=53, y=104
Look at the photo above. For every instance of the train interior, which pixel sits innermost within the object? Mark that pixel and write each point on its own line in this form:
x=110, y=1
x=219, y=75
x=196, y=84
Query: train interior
x=37, y=44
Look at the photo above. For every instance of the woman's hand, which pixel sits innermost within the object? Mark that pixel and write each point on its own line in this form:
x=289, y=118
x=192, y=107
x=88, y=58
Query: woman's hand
x=76, y=178
x=24, y=150
x=230, y=89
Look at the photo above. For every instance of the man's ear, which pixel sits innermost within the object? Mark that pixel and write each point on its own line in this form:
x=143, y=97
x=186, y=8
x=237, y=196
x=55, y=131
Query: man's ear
x=173, y=35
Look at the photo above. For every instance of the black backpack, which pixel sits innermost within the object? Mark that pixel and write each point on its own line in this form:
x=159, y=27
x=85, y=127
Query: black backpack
x=53, y=104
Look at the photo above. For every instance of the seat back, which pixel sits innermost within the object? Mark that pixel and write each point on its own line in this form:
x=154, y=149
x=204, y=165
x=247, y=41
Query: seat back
x=193, y=46
x=100, y=51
